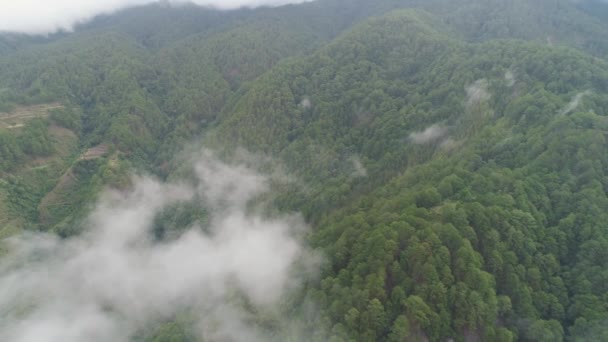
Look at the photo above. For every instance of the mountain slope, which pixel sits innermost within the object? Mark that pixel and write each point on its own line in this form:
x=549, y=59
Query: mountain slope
x=474, y=206
x=450, y=156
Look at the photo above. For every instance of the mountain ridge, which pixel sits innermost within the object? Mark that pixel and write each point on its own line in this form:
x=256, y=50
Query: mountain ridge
x=450, y=160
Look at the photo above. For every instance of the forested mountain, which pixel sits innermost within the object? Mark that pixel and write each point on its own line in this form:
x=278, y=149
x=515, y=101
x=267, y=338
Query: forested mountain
x=451, y=156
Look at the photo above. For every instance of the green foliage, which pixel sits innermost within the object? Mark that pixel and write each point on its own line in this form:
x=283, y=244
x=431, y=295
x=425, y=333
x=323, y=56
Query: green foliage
x=35, y=139
x=17, y=146
x=456, y=182
x=70, y=118
x=176, y=218
x=447, y=237
x=10, y=150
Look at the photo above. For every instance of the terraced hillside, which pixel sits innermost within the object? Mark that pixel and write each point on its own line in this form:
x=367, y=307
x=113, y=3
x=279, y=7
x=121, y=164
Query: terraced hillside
x=17, y=117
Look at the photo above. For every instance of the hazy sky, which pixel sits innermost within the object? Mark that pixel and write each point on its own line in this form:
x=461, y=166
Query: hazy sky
x=41, y=17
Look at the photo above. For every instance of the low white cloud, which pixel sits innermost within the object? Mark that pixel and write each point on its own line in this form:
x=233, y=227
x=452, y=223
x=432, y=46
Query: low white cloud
x=430, y=134
x=115, y=279
x=574, y=103
x=359, y=169
x=43, y=17
x=449, y=144
x=477, y=92
x=306, y=103
x=510, y=78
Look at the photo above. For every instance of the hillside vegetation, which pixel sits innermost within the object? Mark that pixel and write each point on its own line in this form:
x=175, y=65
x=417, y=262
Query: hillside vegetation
x=450, y=155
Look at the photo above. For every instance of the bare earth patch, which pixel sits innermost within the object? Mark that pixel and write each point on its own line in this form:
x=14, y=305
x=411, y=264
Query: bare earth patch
x=20, y=115
x=95, y=152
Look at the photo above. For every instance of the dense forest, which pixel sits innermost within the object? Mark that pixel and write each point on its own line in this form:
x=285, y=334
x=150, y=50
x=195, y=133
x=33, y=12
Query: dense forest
x=451, y=156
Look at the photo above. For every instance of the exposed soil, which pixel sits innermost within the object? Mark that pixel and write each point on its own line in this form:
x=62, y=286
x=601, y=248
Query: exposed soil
x=21, y=114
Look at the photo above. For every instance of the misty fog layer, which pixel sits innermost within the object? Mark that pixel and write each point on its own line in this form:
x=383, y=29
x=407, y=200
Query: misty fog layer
x=574, y=103
x=430, y=134
x=35, y=17
x=115, y=278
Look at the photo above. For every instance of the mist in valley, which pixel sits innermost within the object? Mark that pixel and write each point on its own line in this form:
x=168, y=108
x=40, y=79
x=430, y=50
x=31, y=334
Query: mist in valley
x=116, y=278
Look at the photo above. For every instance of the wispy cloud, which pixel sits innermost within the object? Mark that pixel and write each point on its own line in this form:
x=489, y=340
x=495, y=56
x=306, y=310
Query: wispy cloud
x=510, y=78
x=36, y=17
x=359, y=169
x=477, y=92
x=430, y=134
x=574, y=103
x=115, y=279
